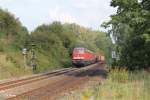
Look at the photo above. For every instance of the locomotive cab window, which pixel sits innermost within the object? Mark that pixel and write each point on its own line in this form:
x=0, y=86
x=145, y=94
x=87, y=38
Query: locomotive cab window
x=80, y=50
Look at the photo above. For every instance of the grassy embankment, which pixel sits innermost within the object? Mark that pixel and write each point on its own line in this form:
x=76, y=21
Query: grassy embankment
x=12, y=64
x=120, y=85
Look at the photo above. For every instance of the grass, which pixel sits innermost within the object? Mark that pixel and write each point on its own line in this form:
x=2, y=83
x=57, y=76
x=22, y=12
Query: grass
x=12, y=64
x=12, y=67
x=120, y=85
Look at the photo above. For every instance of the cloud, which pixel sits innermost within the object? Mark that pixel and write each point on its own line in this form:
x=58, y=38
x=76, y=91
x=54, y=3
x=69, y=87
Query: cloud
x=58, y=15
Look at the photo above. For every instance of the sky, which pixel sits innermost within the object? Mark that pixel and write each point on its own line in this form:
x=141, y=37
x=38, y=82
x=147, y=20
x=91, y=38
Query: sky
x=87, y=13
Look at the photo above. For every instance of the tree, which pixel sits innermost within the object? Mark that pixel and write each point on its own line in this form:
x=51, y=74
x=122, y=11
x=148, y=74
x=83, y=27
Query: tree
x=130, y=28
x=11, y=30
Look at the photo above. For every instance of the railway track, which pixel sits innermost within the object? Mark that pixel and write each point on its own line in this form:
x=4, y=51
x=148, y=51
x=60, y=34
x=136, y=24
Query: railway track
x=53, y=83
x=15, y=83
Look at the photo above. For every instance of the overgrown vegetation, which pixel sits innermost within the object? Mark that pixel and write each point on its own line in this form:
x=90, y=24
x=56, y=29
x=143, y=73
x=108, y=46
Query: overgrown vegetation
x=55, y=41
x=53, y=44
x=120, y=85
x=130, y=28
x=12, y=37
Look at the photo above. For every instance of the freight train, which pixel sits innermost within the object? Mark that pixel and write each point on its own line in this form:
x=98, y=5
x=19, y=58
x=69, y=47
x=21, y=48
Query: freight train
x=82, y=56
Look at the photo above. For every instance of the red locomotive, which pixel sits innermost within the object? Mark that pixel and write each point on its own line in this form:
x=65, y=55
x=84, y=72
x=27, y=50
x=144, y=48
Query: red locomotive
x=82, y=56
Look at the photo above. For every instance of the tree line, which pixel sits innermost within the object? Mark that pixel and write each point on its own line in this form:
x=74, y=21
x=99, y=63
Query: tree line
x=130, y=28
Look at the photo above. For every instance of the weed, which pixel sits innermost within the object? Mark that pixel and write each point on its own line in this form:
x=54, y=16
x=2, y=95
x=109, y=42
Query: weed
x=121, y=85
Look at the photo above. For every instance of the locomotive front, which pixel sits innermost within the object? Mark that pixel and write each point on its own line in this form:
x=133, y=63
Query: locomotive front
x=78, y=56
x=82, y=56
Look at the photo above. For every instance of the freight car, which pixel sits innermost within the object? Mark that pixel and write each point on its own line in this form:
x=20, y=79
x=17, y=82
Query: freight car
x=101, y=59
x=82, y=56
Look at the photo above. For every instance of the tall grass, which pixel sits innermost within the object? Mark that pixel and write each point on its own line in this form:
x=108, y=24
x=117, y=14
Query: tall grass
x=12, y=67
x=119, y=75
x=120, y=85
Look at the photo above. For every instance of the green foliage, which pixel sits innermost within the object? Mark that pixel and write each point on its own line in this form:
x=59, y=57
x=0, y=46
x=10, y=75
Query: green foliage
x=12, y=38
x=93, y=40
x=12, y=33
x=130, y=30
x=50, y=40
x=53, y=42
x=58, y=40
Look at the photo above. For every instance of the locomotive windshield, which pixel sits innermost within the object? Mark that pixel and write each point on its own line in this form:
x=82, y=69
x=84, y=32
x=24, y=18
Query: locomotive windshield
x=79, y=50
